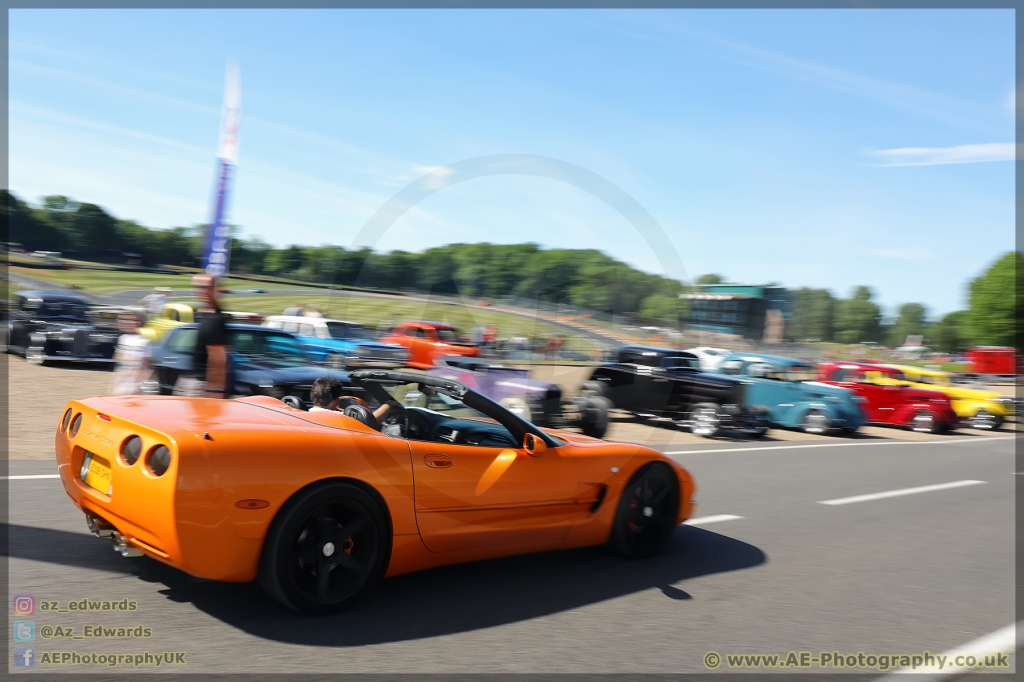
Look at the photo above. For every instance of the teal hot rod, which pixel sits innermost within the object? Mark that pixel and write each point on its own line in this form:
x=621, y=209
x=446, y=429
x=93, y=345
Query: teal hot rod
x=794, y=399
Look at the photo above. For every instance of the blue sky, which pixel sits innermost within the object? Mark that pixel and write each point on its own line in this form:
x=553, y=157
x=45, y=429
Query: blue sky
x=824, y=148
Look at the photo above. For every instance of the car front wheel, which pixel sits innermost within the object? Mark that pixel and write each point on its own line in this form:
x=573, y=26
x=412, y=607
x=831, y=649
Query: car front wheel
x=336, y=361
x=517, y=406
x=325, y=548
x=647, y=512
x=705, y=420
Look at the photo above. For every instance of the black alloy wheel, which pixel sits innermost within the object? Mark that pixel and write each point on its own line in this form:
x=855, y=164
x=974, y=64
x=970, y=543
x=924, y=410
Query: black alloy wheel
x=326, y=547
x=647, y=512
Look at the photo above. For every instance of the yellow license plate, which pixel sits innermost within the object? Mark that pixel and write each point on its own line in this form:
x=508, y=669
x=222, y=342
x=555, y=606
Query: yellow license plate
x=98, y=475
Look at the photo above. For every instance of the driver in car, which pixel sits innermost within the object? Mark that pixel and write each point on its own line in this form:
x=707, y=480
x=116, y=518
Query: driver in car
x=327, y=397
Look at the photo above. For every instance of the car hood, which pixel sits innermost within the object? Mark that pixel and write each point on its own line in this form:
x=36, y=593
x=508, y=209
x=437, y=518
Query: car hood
x=969, y=393
x=278, y=373
x=826, y=390
x=378, y=346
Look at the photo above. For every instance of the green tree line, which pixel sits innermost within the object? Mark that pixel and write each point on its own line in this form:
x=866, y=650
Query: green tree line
x=580, y=277
x=995, y=300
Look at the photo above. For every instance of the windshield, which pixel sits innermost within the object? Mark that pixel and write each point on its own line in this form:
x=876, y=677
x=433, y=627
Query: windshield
x=58, y=309
x=278, y=347
x=801, y=373
x=344, y=331
x=447, y=335
x=418, y=395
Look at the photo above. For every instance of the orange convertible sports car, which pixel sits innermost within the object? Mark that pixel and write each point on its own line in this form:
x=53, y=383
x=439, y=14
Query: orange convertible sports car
x=318, y=505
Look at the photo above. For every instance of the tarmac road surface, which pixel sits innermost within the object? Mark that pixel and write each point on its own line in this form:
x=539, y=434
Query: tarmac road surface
x=873, y=545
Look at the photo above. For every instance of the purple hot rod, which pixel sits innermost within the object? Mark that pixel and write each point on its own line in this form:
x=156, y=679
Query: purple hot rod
x=540, y=402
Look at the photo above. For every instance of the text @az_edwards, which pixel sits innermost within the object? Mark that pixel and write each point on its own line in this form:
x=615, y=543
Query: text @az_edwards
x=95, y=632
x=839, y=660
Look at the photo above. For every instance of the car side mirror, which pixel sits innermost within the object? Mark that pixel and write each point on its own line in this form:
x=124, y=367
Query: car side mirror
x=533, y=445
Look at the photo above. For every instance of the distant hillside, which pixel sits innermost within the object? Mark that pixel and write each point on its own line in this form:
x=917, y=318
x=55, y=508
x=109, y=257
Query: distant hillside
x=580, y=277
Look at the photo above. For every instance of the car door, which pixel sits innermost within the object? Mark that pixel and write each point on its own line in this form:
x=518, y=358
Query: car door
x=883, y=398
x=173, y=357
x=680, y=387
x=468, y=496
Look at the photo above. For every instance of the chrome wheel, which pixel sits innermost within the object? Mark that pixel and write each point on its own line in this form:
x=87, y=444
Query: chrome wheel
x=517, y=406
x=704, y=421
x=336, y=361
x=923, y=422
x=815, y=422
x=983, y=419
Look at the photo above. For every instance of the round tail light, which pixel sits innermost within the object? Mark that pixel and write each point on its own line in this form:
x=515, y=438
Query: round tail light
x=130, y=450
x=65, y=420
x=158, y=460
x=75, y=425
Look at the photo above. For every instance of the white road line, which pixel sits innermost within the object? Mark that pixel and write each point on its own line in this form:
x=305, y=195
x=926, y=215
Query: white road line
x=975, y=439
x=903, y=491
x=22, y=478
x=1001, y=641
x=701, y=520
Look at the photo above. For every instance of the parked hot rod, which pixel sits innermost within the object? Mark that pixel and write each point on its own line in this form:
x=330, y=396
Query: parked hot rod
x=793, y=396
x=668, y=384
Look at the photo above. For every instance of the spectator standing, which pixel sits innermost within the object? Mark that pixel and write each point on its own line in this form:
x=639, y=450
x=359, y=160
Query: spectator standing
x=154, y=302
x=131, y=355
x=210, y=358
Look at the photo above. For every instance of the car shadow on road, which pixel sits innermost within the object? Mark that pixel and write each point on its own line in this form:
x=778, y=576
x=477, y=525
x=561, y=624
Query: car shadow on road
x=430, y=603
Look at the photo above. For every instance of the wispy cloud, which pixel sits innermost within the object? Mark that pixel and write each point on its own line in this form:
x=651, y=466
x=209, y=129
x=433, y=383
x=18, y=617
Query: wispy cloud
x=127, y=92
x=914, y=99
x=40, y=113
x=938, y=156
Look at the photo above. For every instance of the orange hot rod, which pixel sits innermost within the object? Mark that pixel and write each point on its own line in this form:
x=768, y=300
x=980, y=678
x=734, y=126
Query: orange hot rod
x=318, y=505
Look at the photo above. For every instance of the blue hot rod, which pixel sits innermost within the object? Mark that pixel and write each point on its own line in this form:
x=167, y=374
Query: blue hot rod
x=787, y=387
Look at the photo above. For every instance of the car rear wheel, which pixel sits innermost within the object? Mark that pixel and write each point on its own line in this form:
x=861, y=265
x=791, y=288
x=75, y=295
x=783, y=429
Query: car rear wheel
x=325, y=548
x=815, y=422
x=705, y=420
x=517, y=406
x=647, y=512
x=594, y=416
x=336, y=361
x=5, y=335
x=34, y=355
x=924, y=421
x=594, y=388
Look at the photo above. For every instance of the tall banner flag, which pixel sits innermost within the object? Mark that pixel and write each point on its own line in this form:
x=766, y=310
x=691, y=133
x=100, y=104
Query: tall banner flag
x=217, y=243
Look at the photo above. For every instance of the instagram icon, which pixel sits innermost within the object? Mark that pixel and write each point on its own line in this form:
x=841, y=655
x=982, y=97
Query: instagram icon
x=24, y=605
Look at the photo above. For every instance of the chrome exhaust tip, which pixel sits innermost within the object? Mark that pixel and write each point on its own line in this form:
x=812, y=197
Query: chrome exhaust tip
x=96, y=528
x=121, y=546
